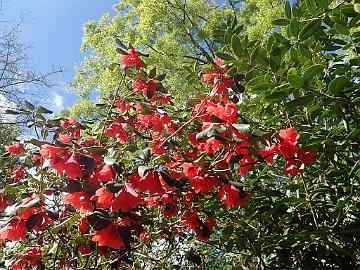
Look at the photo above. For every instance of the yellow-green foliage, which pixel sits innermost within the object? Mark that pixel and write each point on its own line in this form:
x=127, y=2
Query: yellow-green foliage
x=159, y=28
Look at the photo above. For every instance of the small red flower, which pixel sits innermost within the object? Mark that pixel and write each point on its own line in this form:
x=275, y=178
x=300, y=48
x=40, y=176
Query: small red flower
x=103, y=198
x=3, y=203
x=293, y=167
x=18, y=174
x=306, y=156
x=127, y=199
x=14, y=230
x=190, y=170
x=131, y=59
x=79, y=200
x=109, y=237
x=72, y=167
x=229, y=195
x=289, y=135
x=15, y=148
x=106, y=174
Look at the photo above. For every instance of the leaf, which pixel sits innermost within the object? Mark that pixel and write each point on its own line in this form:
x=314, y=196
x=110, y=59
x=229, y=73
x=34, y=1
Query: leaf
x=294, y=27
x=337, y=84
x=171, y=181
x=341, y=29
x=281, y=22
x=69, y=222
x=224, y=56
x=254, y=54
x=242, y=127
x=300, y=101
x=311, y=6
x=288, y=9
x=310, y=29
x=357, y=7
x=113, y=66
x=37, y=142
x=280, y=38
x=142, y=170
x=355, y=133
x=120, y=43
x=296, y=80
x=152, y=73
x=227, y=267
x=236, y=46
x=9, y=111
x=29, y=105
x=310, y=72
x=261, y=83
x=32, y=220
x=304, y=51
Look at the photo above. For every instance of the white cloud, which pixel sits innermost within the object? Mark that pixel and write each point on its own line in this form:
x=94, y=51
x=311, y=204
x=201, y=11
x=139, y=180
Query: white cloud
x=58, y=100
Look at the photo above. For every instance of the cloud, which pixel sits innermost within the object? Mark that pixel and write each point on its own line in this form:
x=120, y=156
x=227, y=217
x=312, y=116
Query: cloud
x=58, y=100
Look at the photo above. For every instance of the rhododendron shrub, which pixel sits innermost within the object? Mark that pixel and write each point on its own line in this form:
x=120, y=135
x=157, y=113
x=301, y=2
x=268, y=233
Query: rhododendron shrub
x=97, y=193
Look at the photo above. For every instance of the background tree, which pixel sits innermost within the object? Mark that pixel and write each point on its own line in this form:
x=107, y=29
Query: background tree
x=173, y=32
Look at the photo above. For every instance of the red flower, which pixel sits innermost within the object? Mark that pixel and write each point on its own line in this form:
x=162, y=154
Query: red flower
x=84, y=249
x=15, y=148
x=306, y=156
x=109, y=237
x=268, y=153
x=122, y=105
x=79, y=200
x=286, y=149
x=72, y=167
x=148, y=87
x=229, y=195
x=18, y=174
x=189, y=170
x=3, y=202
x=144, y=236
x=103, y=198
x=289, y=135
x=106, y=174
x=14, y=230
x=127, y=199
x=203, y=184
x=83, y=225
x=131, y=59
x=293, y=167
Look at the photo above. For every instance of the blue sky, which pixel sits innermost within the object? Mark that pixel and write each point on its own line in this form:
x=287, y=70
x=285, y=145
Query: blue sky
x=53, y=29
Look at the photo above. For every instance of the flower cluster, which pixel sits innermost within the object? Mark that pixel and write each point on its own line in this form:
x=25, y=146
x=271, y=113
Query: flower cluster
x=144, y=161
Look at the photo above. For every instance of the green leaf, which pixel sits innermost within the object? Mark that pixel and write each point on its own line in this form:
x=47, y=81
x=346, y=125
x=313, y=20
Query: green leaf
x=224, y=56
x=236, y=46
x=288, y=9
x=113, y=66
x=41, y=109
x=311, y=6
x=281, y=22
x=301, y=101
x=152, y=73
x=357, y=7
x=254, y=54
x=310, y=29
x=9, y=111
x=312, y=71
x=304, y=51
x=337, y=84
x=261, y=83
x=280, y=38
x=242, y=127
x=341, y=29
x=296, y=80
x=294, y=27
x=355, y=133
x=29, y=105
x=120, y=43
x=227, y=267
